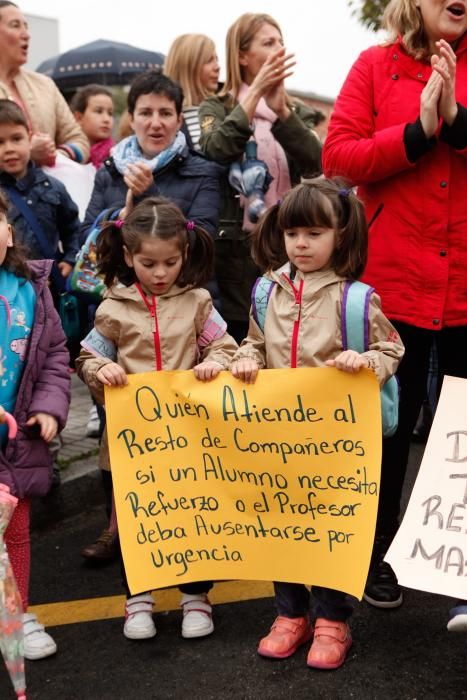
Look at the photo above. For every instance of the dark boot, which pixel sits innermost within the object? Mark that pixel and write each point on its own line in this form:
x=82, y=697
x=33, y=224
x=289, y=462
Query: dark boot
x=105, y=548
x=382, y=589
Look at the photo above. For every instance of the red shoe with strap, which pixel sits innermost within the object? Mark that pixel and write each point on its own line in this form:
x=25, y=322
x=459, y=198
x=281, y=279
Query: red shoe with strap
x=331, y=644
x=286, y=635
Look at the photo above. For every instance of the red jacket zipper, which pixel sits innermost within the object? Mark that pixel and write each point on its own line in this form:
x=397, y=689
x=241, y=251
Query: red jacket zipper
x=152, y=308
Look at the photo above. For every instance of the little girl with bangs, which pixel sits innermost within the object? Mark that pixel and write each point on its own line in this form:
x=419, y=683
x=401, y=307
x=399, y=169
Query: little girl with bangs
x=156, y=316
x=312, y=244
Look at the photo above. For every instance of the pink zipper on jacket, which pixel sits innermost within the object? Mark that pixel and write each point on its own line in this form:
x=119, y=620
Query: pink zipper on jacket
x=296, y=326
x=152, y=308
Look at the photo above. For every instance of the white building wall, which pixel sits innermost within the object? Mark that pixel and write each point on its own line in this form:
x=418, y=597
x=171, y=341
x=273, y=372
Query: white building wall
x=44, y=39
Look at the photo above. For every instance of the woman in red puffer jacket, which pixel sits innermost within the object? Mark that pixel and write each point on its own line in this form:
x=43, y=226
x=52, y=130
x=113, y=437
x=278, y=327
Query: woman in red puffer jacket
x=399, y=132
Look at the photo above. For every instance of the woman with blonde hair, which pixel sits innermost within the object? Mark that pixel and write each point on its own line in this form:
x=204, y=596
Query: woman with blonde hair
x=192, y=62
x=399, y=132
x=254, y=103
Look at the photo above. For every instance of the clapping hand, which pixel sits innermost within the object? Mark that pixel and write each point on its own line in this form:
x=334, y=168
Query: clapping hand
x=138, y=178
x=42, y=149
x=269, y=81
x=276, y=69
x=429, y=100
x=438, y=99
x=444, y=66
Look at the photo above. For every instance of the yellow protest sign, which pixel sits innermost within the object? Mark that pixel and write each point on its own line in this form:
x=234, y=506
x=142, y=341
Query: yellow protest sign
x=275, y=481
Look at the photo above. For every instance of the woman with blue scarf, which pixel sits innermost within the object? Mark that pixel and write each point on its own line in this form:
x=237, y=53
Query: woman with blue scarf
x=156, y=160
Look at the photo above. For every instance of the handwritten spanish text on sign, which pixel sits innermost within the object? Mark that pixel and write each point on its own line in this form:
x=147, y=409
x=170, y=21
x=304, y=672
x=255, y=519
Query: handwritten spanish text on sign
x=429, y=552
x=221, y=480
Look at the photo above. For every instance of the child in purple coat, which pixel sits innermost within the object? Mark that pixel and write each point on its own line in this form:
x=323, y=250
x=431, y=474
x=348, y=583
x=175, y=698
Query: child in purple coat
x=35, y=388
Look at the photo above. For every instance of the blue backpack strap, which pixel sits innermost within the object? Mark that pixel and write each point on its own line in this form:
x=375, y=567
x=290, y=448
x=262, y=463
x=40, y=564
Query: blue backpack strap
x=260, y=298
x=355, y=329
x=34, y=223
x=355, y=306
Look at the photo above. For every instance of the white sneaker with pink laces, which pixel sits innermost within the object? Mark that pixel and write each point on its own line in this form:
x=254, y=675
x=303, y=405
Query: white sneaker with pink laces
x=138, y=617
x=197, y=616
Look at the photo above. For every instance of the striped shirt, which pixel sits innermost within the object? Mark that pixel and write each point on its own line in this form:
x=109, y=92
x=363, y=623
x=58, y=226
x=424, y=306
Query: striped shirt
x=191, y=116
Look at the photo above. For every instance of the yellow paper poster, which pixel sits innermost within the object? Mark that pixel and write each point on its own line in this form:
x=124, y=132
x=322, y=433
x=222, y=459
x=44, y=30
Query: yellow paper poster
x=222, y=480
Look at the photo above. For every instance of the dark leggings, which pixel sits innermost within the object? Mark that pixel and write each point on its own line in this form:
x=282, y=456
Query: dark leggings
x=293, y=600
x=196, y=588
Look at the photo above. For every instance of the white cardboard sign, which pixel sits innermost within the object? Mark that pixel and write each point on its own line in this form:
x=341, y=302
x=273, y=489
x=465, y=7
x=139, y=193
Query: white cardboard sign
x=429, y=552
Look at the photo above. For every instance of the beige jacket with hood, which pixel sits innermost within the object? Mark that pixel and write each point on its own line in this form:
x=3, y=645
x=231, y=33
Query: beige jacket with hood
x=188, y=330
x=317, y=334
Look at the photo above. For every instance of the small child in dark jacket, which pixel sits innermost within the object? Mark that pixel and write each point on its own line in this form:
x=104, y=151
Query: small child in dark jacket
x=47, y=199
x=35, y=389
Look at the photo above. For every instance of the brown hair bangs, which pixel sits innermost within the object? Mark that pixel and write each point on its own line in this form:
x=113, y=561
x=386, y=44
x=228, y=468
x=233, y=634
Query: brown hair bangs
x=322, y=202
x=307, y=207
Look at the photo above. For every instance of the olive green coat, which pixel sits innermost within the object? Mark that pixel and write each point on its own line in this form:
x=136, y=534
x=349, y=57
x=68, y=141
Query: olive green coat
x=225, y=130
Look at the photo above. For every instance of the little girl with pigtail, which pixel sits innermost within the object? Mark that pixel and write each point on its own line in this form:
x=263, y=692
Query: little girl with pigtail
x=156, y=316
x=313, y=246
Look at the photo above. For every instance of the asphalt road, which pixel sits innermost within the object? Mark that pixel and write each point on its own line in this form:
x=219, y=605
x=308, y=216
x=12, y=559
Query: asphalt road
x=405, y=653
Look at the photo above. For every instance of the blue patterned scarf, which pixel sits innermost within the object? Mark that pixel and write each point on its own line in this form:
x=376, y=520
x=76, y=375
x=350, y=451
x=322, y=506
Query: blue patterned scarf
x=129, y=151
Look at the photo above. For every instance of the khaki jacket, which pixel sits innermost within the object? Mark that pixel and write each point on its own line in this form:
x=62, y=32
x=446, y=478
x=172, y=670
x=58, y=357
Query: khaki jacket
x=48, y=110
x=190, y=331
x=319, y=332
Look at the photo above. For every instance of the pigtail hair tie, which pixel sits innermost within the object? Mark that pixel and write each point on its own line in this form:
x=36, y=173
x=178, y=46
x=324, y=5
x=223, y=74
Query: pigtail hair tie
x=344, y=193
x=190, y=225
x=119, y=223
